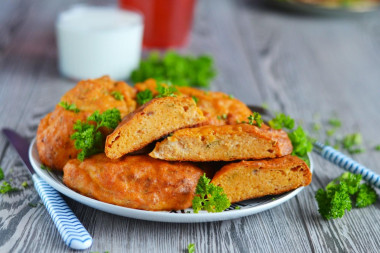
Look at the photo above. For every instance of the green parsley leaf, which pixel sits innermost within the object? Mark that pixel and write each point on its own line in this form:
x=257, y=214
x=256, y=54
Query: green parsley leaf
x=117, y=95
x=366, y=196
x=317, y=126
x=335, y=122
x=377, y=147
x=24, y=184
x=6, y=187
x=330, y=132
x=69, y=107
x=44, y=167
x=255, y=119
x=351, y=143
x=351, y=140
x=221, y=117
x=230, y=96
x=1, y=174
x=265, y=106
x=144, y=96
x=333, y=204
x=237, y=207
x=209, y=197
x=282, y=121
x=195, y=99
x=178, y=69
x=301, y=143
x=166, y=91
x=336, y=198
x=88, y=138
x=191, y=248
x=110, y=118
x=33, y=204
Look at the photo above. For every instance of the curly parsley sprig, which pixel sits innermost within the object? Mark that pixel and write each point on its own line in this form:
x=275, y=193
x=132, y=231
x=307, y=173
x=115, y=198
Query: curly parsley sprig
x=301, y=142
x=88, y=137
x=163, y=91
x=255, y=119
x=69, y=107
x=179, y=69
x=338, y=196
x=209, y=197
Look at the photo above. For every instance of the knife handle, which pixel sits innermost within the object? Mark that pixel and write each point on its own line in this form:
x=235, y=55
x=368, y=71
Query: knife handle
x=72, y=231
x=347, y=163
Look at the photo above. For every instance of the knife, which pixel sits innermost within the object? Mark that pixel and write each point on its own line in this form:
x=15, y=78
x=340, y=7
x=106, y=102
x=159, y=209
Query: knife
x=71, y=229
x=334, y=156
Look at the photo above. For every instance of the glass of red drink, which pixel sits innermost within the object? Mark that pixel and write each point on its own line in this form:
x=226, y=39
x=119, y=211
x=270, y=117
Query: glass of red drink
x=167, y=23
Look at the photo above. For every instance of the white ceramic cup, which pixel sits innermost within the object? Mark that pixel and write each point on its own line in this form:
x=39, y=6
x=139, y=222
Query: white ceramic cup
x=95, y=41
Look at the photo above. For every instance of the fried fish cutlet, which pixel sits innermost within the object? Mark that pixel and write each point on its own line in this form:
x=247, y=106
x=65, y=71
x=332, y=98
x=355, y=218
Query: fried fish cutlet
x=253, y=179
x=219, y=108
x=223, y=143
x=54, y=145
x=155, y=119
x=139, y=182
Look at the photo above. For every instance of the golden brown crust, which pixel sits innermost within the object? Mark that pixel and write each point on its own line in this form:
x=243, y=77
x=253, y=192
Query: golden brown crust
x=223, y=143
x=219, y=108
x=150, y=122
x=253, y=179
x=54, y=145
x=137, y=182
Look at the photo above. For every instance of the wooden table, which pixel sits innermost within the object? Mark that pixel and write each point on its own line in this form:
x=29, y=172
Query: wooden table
x=300, y=64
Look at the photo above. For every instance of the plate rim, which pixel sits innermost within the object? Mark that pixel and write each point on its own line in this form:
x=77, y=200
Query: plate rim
x=158, y=216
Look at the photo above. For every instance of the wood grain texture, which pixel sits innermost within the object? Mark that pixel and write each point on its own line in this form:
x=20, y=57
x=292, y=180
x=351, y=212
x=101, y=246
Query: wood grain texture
x=297, y=63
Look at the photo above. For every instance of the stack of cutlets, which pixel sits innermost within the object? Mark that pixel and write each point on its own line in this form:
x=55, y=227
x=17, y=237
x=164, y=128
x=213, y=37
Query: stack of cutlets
x=260, y=157
x=156, y=155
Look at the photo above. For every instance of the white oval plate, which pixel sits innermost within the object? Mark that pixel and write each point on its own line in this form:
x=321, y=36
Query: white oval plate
x=247, y=207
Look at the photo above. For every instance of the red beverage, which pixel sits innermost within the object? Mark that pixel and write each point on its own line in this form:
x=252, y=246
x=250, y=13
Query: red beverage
x=167, y=23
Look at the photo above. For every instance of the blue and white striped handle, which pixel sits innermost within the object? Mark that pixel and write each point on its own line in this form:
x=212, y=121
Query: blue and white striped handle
x=347, y=163
x=72, y=231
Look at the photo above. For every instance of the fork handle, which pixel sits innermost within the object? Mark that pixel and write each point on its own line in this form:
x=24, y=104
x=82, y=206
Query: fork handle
x=347, y=163
x=72, y=231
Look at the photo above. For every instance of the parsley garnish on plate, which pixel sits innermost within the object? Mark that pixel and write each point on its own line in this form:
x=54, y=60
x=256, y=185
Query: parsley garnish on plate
x=44, y=167
x=69, y=107
x=209, y=197
x=166, y=90
x=195, y=99
x=144, y=96
x=301, y=143
x=178, y=69
x=255, y=119
x=377, y=147
x=222, y=117
x=163, y=91
x=117, y=95
x=88, y=137
x=337, y=197
x=282, y=121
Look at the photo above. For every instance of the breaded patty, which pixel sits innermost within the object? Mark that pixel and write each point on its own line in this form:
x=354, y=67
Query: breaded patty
x=54, y=145
x=150, y=122
x=139, y=182
x=223, y=143
x=253, y=179
x=219, y=108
